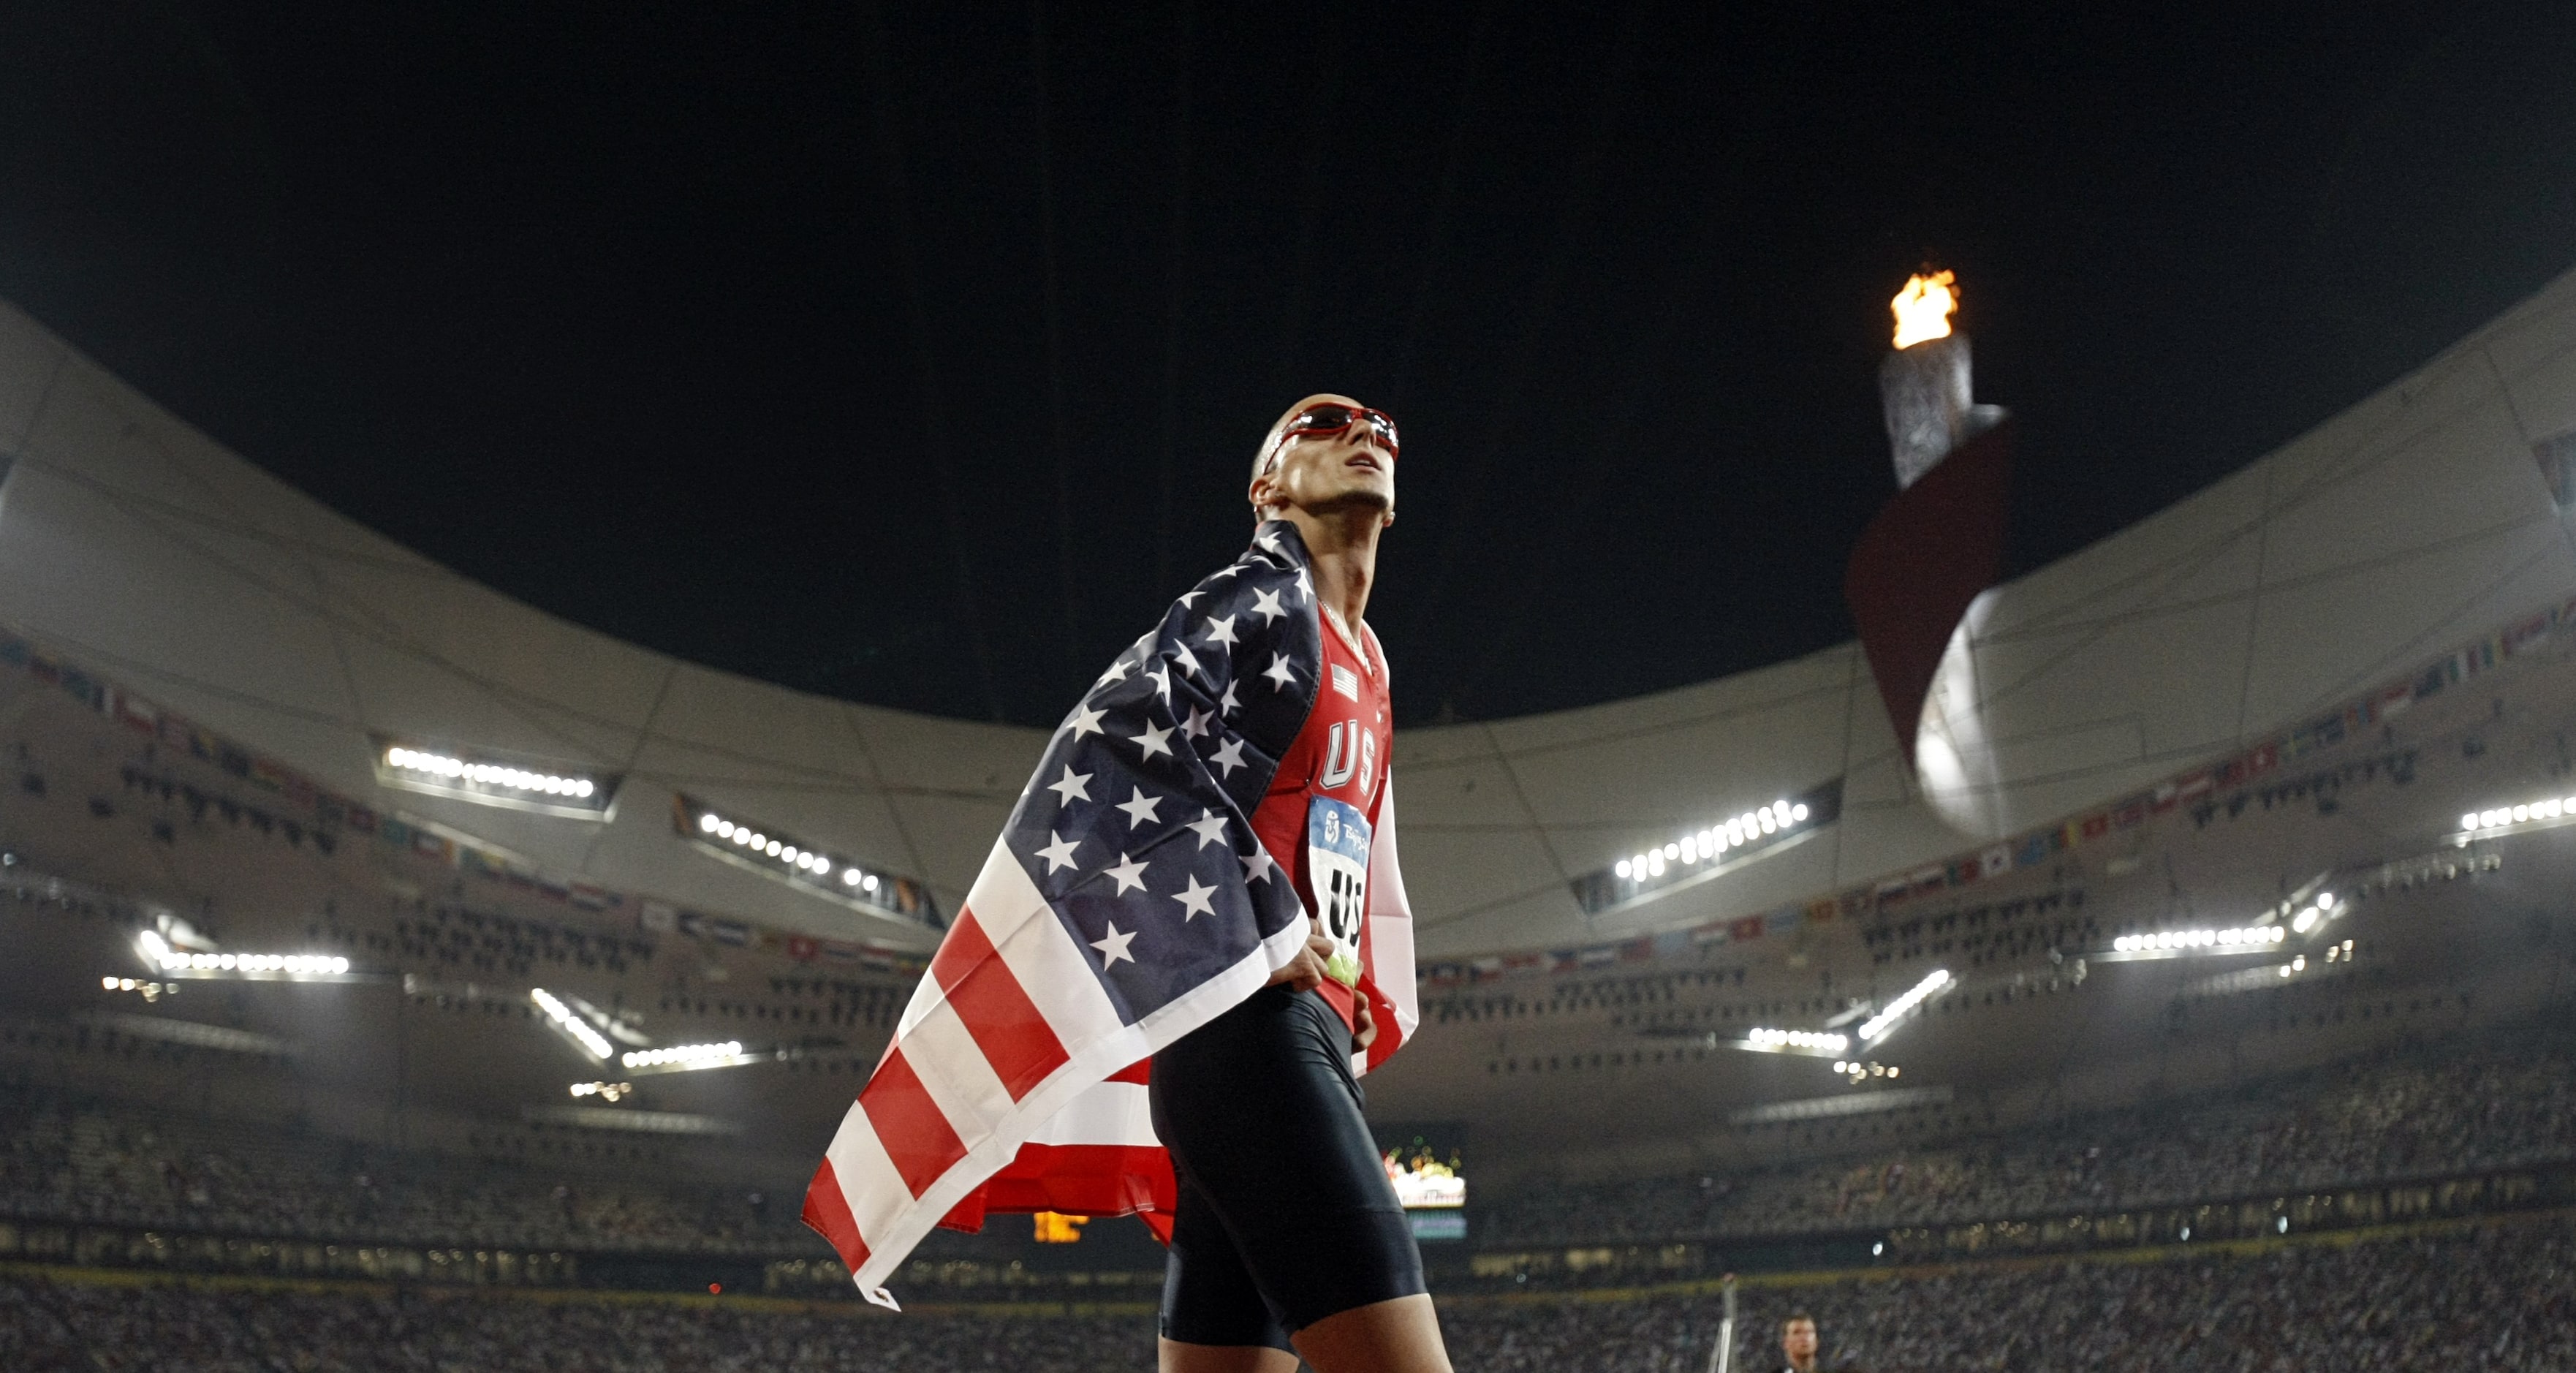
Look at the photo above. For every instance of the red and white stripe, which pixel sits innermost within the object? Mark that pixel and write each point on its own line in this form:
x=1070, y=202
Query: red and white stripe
x=1388, y=971
x=1098, y=1156
x=1009, y=1028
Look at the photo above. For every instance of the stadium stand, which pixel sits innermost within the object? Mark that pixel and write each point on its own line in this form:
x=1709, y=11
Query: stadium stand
x=2358, y=1152
x=2489, y=1296
x=67, y=1162
x=2474, y=1127
x=2504, y=1106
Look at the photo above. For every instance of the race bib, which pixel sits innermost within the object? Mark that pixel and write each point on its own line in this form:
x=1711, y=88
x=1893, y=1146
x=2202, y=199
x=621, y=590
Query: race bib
x=1337, y=861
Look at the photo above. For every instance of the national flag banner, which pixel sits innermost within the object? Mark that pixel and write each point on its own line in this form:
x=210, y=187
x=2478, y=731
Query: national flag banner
x=1126, y=904
x=137, y=714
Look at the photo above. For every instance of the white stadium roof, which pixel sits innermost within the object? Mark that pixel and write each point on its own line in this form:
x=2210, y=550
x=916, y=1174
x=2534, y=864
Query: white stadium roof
x=2412, y=523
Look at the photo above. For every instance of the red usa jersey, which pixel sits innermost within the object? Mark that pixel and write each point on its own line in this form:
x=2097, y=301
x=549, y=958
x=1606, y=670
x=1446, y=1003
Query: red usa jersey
x=1319, y=818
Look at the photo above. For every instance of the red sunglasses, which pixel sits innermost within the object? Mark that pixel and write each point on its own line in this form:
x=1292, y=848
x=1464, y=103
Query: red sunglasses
x=1334, y=419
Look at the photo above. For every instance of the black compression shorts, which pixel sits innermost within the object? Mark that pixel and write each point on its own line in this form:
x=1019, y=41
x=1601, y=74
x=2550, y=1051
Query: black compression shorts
x=1286, y=1215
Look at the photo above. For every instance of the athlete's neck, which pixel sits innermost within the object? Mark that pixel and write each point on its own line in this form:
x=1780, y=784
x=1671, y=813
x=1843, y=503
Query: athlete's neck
x=1342, y=547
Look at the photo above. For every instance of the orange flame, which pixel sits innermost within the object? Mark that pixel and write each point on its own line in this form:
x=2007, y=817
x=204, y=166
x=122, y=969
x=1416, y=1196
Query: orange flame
x=1924, y=307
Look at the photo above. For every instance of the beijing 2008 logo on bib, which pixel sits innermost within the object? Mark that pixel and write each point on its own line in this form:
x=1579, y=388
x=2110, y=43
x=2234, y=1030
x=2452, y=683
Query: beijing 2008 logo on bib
x=1337, y=859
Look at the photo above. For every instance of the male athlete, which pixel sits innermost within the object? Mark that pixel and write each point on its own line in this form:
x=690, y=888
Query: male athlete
x=1151, y=998
x=1287, y=1239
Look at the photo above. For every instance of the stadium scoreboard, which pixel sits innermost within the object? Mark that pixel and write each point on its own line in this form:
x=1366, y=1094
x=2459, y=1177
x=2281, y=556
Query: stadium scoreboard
x=1427, y=1166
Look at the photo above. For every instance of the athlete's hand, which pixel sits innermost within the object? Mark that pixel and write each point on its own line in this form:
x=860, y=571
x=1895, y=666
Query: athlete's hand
x=1366, y=1034
x=1305, y=972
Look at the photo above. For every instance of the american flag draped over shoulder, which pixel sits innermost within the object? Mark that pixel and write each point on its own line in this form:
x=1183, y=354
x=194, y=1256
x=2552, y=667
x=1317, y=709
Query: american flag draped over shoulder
x=1126, y=904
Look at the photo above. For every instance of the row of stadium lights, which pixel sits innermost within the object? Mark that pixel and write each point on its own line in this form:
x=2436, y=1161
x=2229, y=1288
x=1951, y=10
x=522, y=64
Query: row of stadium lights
x=2249, y=939
x=158, y=951
x=685, y=1056
x=254, y=963
x=2553, y=808
x=1798, y=1039
x=1773, y=818
x=533, y=783
x=1876, y=1027
x=1858, y=1071
x=2259, y=936
x=1871, y=1030
x=1690, y=849
x=1780, y=814
x=556, y=1011
x=1713, y=841
x=529, y=782
x=676, y=1056
x=571, y=1023
x=152, y=991
x=805, y=861
x=489, y=774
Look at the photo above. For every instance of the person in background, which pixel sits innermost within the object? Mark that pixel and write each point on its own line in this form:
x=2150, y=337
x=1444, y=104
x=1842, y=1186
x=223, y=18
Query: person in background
x=1798, y=1343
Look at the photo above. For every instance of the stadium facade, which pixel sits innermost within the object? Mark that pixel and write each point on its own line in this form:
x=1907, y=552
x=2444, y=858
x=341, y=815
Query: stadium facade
x=2256, y=710
x=2411, y=524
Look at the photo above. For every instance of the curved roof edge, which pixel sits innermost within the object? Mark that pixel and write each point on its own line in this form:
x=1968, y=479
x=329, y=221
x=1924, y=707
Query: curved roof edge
x=2412, y=523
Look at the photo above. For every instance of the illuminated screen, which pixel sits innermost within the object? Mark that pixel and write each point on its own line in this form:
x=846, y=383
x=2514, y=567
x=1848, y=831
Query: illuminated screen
x=1427, y=1166
x=1438, y=1225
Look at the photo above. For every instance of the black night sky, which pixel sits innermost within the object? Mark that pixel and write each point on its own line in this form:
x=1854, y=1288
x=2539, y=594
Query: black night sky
x=917, y=356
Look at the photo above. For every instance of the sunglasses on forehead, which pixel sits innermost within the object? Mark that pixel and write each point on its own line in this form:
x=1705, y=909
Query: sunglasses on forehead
x=1332, y=419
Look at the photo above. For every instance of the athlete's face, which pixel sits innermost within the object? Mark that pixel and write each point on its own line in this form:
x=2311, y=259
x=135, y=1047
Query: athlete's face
x=1313, y=461
x=1798, y=1341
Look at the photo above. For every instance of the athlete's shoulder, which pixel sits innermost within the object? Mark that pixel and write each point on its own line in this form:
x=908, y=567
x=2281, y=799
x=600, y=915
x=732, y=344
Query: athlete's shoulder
x=1264, y=593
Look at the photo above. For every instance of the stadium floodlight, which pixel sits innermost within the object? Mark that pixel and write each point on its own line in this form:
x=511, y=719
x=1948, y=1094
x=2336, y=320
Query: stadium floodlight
x=1876, y=1027
x=685, y=1057
x=248, y=967
x=569, y=1021
x=764, y=849
x=1796, y=1039
x=1703, y=851
x=2545, y=813
x=1713, y=843
x=2250, y=939
x=492, y=778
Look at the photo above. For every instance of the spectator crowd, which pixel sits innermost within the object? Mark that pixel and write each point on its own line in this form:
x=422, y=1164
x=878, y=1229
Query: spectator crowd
x=2363, y=1123
x=66, y=1161
x=2493, y=1299
x=90, y=1162
x=2500, y=1298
